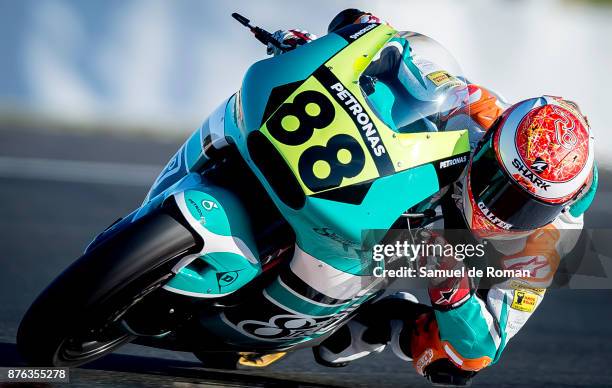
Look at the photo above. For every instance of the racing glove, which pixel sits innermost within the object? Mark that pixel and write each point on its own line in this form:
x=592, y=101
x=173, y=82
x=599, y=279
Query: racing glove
x=430, y=357
x=449, y=292
x=289, y=40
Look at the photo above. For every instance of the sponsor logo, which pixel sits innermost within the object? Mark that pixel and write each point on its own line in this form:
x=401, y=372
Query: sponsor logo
x=285, y=326
x=452, y=162
x=424, y=360
x=361, y=118
x=439, y=77
x=524, y=301
x=539, y=165
x=538, y=266
x=226, y=278
x=294, y=326
x=492, y=218
x=327, y=232
x=173, y=166
x=363, y=31
x=194, y=204
x=452, y=297
x=529, y=175
x=209, y=205
x=520, y=286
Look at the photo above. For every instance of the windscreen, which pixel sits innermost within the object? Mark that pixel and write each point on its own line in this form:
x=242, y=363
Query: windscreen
x=414, y=84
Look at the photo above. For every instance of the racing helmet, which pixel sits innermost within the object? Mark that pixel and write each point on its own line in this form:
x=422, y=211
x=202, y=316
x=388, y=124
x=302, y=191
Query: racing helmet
x=528, y=168
x=350, y=16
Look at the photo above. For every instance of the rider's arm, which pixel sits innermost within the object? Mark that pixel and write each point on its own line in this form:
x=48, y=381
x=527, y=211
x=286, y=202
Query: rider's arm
x=473, y=335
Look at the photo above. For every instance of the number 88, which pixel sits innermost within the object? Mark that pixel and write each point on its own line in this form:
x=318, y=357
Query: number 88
x=301, y=109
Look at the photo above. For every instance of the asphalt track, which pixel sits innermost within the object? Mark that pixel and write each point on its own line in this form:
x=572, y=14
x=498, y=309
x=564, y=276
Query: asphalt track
x=50, y=210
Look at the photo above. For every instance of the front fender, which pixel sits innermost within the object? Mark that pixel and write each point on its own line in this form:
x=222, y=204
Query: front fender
x=229, y=257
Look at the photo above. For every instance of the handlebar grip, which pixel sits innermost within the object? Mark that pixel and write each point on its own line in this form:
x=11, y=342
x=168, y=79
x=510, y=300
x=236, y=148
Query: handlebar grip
x=241, y=19
x=260, y=34
x=265, y=37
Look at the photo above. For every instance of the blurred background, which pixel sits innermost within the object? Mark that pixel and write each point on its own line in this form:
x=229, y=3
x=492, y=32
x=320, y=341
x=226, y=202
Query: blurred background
x=96, y=95
x=164, y=65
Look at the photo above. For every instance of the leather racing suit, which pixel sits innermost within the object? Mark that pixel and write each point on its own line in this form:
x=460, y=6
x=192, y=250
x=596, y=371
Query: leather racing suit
x=469, y=330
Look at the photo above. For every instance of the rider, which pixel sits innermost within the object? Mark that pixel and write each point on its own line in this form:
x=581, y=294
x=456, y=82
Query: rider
x=531, y=176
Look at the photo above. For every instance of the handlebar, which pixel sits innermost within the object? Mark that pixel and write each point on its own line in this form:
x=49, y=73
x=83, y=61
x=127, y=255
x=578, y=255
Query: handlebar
x=260, y=34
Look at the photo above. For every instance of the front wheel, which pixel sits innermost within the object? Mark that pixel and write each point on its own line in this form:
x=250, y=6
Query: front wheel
x=75, y=320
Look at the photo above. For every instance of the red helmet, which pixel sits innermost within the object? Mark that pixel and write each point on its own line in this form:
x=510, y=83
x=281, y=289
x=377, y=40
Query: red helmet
x=535, y=160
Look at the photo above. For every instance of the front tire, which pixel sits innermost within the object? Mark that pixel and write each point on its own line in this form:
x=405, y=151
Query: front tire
x=75, y=319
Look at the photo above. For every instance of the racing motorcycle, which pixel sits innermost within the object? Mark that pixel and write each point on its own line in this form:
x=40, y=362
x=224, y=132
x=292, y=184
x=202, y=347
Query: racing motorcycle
x=314, y=151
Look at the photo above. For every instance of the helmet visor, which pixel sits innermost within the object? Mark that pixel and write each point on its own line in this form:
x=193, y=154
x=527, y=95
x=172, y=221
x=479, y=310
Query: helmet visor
x=500, y=199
